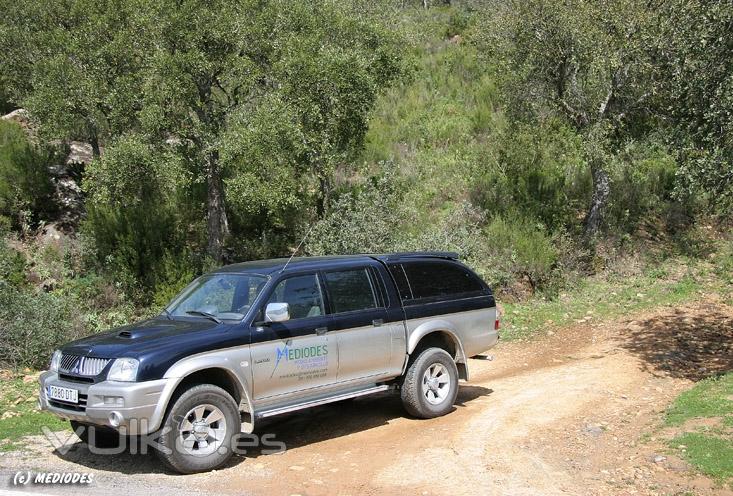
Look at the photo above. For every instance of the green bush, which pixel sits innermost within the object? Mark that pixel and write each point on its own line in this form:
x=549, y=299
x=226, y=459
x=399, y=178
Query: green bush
x=32, y=325
x=520, y=247
x=643, y=179
x=367, y=219
x=12, y=266
x=540, y=171
x=25, y=184
x=458, y=22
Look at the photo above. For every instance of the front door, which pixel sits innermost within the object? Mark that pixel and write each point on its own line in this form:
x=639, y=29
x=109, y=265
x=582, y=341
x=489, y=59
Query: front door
x=297, y=354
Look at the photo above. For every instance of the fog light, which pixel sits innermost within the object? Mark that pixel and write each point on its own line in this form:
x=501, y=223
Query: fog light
x=114, y=400
x=115, y=419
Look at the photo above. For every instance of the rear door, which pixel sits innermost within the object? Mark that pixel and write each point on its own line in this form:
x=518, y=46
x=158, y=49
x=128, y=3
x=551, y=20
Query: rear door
x=359, y=322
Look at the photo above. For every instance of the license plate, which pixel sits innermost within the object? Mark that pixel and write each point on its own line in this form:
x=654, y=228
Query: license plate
x=63, y=394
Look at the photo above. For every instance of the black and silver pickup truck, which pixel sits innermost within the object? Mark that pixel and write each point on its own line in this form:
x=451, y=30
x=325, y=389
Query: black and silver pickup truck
x=263, y=338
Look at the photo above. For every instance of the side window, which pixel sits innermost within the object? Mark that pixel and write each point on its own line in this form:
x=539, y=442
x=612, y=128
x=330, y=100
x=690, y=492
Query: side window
x=440, y=280
x=403, y=287
x=302, y=294
x=350, y=290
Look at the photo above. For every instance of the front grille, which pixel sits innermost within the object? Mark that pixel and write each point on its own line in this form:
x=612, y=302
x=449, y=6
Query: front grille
x=81, y=365
x=76, y=378
x=74, y=407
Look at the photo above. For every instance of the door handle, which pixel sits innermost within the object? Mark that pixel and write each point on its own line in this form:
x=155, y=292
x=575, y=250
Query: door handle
x=320, y=331
x=377, y=322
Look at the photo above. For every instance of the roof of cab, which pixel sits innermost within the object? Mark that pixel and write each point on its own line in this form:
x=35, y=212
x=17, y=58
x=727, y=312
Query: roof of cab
x=276, y=264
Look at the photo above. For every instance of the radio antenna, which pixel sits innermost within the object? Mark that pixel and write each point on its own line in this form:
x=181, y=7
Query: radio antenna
x=297, y=248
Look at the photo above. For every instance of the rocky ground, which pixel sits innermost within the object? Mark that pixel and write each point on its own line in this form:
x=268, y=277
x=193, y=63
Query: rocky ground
x=578, y=411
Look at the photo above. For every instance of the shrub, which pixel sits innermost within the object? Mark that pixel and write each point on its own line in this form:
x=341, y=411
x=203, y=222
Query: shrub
x=520, y=247
x=12, y=266
x=366, y=219
x=643, y=179
x=25, y=184
x=32, y=325
x=540, y=173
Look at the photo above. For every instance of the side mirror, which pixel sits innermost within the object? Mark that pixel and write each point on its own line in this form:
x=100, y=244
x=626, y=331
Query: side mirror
x=277, y=312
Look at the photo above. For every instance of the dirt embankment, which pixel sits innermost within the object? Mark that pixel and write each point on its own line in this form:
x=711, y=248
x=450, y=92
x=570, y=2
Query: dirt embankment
x=575, y=412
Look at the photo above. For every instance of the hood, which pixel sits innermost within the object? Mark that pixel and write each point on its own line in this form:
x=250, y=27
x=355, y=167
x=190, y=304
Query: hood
x=138, y=339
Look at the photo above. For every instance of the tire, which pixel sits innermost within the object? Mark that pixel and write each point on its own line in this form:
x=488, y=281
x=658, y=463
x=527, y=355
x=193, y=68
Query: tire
x=103, y=437
x=189, y=443
x=424, y=393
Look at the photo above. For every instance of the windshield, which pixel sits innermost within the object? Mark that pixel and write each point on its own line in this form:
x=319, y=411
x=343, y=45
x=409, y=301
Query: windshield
x=218, y=296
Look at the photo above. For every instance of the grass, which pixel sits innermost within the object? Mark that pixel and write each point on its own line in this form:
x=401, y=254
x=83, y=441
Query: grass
x=711, y=455
x=709, y=449
x=607, y=297
x=709, y=398
x=18, y=402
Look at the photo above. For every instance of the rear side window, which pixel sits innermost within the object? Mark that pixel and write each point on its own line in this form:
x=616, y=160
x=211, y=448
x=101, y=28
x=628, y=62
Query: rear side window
x=438, y=280
x=350, y=290
x=403, y=287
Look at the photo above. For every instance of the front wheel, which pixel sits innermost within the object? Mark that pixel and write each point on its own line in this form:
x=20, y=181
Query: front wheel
x=197, y=433
x=430, y=384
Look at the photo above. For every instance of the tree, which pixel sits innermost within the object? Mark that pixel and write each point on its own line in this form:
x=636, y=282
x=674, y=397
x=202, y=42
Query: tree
x=75, y=65
x=588, y=62
x=207, y=82
x=698, y=89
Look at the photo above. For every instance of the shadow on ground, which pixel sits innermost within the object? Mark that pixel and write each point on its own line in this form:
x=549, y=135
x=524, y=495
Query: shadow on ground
x=690, y=345
x=297, y=429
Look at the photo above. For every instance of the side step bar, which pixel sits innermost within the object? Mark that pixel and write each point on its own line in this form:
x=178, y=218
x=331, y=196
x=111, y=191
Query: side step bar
x=323, y=401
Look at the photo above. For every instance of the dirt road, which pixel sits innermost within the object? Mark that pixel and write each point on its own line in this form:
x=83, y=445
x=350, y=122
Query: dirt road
x=574, y=412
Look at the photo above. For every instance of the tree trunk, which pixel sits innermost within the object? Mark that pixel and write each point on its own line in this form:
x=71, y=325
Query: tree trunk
x=96, y=152
x=323, y=200
x=217, y=224
x=601, y=192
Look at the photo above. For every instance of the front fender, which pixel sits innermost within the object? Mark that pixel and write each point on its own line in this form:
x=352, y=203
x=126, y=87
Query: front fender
x=235, y=362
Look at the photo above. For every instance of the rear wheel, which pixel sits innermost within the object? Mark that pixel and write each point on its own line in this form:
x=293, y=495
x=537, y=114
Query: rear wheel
x=430, y=384
x=197, y=433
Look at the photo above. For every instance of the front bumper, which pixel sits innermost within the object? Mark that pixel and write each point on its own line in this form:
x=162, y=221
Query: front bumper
x=136, y=405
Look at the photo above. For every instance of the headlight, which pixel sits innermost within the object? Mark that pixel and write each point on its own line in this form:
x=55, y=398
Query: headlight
x=55, y=361
x=123, y=369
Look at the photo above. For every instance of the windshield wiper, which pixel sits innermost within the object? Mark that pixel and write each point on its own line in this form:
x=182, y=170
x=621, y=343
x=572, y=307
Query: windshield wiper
x=205, y=314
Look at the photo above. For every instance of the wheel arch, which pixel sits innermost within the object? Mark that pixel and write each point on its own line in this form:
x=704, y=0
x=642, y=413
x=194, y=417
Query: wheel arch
x=440, y=334
x=213, y=369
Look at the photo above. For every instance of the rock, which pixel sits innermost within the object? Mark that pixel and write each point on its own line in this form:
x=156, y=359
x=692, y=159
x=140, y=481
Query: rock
x=20, y=117
x=593, y=430
x=659, y=458
x=296, y=468
x=457, y=39
x=79, y=153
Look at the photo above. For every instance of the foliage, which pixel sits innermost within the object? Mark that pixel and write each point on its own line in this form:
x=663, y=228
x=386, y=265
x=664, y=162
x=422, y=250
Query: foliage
x=32, y=325
x=521, y=248
x=24, y=181
x=698, y=93
x=365, y=220
x=588, y=63
x=184, y=96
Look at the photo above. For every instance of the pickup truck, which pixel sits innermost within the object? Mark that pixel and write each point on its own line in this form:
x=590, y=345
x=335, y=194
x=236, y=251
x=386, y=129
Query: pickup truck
x=263, y=338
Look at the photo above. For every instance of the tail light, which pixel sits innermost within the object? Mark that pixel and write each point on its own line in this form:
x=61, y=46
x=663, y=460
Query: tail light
x=496, y=322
